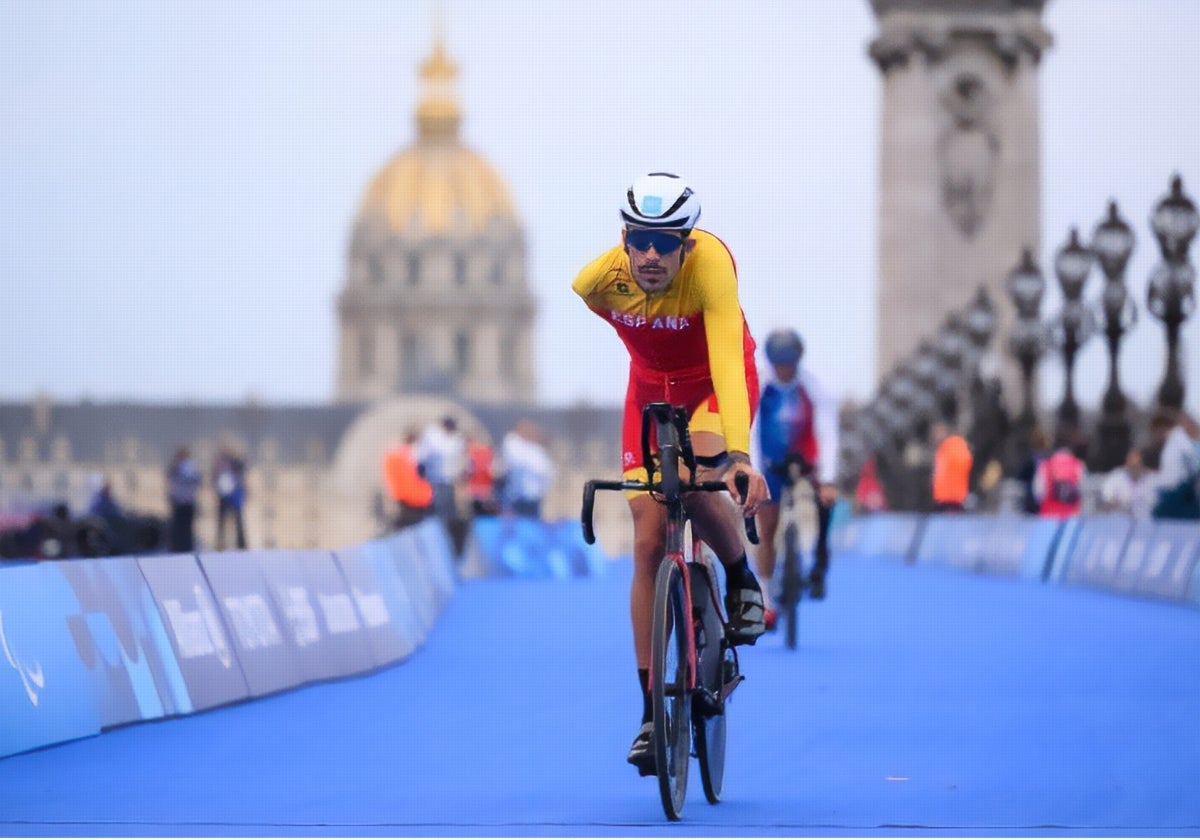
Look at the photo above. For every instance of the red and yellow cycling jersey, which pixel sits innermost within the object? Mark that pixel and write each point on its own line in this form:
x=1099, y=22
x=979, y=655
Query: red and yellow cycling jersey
x=687, y=345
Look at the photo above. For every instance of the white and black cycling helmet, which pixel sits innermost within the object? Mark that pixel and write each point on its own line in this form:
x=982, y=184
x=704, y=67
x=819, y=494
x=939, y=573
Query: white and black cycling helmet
x=661, y=200
x=785, y=347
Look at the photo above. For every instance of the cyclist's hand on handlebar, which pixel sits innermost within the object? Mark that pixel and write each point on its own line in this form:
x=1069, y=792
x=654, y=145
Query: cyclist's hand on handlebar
x=828, y=494
x=756, y=493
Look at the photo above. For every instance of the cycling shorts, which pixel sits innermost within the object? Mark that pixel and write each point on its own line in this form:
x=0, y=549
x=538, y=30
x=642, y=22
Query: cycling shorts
x=691, y=389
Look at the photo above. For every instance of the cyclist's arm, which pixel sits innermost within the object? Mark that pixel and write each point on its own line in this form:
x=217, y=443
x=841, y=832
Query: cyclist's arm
x=825, y=420
x=724, y=328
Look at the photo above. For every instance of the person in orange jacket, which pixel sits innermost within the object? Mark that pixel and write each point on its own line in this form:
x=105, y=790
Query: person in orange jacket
x=951, y=469
x=405, y=485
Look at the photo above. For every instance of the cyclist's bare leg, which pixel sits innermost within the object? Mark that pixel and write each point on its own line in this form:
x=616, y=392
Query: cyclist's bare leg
x=764, y=554
x=649, y=543
x=715, y=518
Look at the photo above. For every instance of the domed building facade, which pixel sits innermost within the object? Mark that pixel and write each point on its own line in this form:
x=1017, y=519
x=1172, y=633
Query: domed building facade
x=436, y=299
x=436, y=318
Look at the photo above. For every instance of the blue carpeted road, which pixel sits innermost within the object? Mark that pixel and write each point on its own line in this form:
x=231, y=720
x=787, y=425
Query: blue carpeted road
x=922, y=702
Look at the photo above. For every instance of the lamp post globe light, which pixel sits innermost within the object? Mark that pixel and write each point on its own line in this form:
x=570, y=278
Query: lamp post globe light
x=1171, y=293
x=980, y=321
x=1074, y=325
x=1112, y=243
x=1027, y=342
x=923, y=370
x=951, y=346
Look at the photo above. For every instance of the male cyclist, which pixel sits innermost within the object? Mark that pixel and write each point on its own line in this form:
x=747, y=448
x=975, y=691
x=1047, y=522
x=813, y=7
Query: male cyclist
x=796, y=418
x=670, y=291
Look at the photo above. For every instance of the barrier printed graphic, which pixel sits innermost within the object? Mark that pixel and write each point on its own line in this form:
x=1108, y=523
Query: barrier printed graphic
x=122, y=641
x=267, y=652
x=321, y=618
x=382, y=601
x=46, y=692
x=197, y=631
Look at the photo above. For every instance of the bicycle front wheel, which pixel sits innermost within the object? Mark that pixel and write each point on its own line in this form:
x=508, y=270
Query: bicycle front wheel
x=712, y=667
x=669, y=688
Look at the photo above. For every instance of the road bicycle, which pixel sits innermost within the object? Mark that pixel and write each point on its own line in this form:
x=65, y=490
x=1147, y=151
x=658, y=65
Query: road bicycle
x=798, y=486
x=693, y=668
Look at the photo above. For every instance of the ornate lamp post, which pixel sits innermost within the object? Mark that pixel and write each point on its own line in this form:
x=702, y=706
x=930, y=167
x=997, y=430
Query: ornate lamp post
x=1171, y=295
x=924, y=370
x=1074, y=325
x=980, y=321
x=951, y=346
x=989, y=420
x=1025, y=285
x=1112, y=243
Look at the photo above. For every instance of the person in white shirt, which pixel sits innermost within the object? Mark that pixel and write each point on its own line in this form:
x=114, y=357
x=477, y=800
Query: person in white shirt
x=1178, y=465
x=1130, y=489
x=528, y=471
x=441, y=454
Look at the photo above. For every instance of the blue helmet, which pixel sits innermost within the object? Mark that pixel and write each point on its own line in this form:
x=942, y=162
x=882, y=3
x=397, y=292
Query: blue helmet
x=785, y=347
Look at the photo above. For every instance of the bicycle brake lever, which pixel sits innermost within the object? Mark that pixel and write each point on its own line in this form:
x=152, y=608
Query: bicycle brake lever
x=589, y=500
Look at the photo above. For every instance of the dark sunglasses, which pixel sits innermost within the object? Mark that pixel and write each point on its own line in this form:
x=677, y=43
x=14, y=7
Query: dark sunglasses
x=641, y=239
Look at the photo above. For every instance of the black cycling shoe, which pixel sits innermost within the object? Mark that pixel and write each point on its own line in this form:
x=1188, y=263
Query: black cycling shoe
x=641, y=754
x=747, y=616
x=816, y=584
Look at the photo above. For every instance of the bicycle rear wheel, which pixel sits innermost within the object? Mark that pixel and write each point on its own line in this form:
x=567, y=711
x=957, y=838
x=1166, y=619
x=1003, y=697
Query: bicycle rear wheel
x=669, y=688
x=793, y=585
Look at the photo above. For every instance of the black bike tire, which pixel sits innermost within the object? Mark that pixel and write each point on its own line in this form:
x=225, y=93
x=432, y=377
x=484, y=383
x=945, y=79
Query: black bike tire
x=709, y=732
x=669, y=692
x=793, y=585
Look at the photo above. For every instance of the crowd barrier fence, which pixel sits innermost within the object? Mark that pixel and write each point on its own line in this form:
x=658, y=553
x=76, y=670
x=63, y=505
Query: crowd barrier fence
x=1151, y=559
x=88, y=645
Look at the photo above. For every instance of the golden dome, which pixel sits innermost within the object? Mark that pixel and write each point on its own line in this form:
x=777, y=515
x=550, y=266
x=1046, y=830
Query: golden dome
x=438, y=188
x=437, y=185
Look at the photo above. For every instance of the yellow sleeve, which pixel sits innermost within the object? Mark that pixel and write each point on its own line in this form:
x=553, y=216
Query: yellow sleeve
x=592, y=273
x=724, y=328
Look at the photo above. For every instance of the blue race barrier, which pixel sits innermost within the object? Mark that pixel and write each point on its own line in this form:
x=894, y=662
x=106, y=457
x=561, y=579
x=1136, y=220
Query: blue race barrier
x=123, y=642
x=893, y=536
x=390, y=621
x=1148, y=559
x=46, y=692
x=90, y=644
x=1093, y=553
x=200, y=640
x=514, y=546
x=1008, y=544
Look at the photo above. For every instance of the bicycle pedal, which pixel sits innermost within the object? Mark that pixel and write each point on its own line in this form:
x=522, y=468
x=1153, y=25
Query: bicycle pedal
x=708, y=703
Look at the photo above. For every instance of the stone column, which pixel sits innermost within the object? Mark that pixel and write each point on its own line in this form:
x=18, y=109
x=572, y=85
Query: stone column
x=959, y=154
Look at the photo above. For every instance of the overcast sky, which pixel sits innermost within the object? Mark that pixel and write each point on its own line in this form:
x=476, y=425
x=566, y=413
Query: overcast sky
x=179, y=178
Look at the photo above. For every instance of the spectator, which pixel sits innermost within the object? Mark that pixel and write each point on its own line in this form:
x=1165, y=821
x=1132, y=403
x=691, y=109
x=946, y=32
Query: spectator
x=1130, y=489
x=102, y=503
x=951, y=469
x=1058, y=482
x=229, y=483
x=183, y=482
x=441, y=454
x=1178, y=495
x=406, y=487
x=528, y=470
x=1039, y=450
x=868, y=493
x=480, y=480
